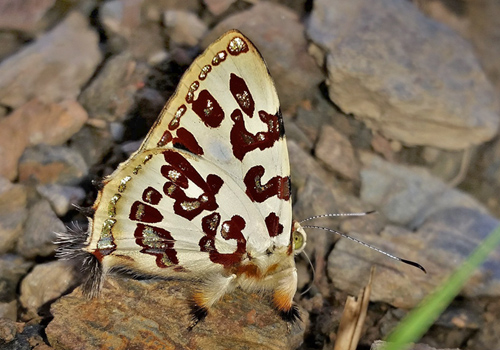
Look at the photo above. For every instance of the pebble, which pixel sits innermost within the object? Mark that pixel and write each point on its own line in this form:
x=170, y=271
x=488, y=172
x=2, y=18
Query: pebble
x=13, y=213
x=61, y=198
x=12, y=269
x=25, y=16
x=183, y=27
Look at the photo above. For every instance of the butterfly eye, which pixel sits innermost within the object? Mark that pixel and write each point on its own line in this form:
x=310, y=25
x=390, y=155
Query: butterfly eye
x=299, y=240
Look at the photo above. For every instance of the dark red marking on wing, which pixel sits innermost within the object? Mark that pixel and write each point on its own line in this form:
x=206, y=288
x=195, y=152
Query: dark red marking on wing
x=101, y=253
x=241, y=94
x=144, y=213
x=208, y=109
x=273, y=225
x=165, y=138
x=277, y=186
x=158, y=242
x=186, y=140
x=231, y=229
x=178, y=172
x=243, y=141
x=151, y=195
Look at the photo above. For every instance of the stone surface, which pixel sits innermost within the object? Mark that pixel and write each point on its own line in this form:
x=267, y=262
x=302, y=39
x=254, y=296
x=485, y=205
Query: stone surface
x=148, y=314
x=47, y=165
x=9, y=43
x=37, y=123
x=440, y=244
x=110, y=96
x=13, y=213
x=218, y=7
x=405, y=75
x=335, y=150
x=52, y=68
x=408, y=195
x=23, y=16
x=46, y=282
x=184, y=28
x=40, y=231
x=12, y=269
x=295, y=73
x=61, y=198
x=9, y=310
x=121, y=17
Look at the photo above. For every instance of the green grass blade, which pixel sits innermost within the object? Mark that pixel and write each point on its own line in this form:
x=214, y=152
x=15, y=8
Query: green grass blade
x=417, y=322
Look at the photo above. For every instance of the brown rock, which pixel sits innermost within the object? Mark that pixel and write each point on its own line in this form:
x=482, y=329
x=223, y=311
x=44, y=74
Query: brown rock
x=184, y=28
x=37, y=123
x=13, y=213
x=45, y=283
x=218, y=7
x=52, y=68
x=24, y=16
x=404, y=74
x=335, y=150
x=155, y=315
x=279, y=35
x=47, y=165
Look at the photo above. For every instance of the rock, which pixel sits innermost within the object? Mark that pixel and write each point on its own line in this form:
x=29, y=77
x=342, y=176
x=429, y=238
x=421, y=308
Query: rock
x=218, y=7
x=110, y=96
x=155, y=314
x=92, y=143
x=37, y=123
x=335, y=150
x=13, y=213
x=47, y=165
x=24, y=16
x=9, y=310
x=54, y=67
x=61, y=198
x=184, y=28
x=441, y=244
x=27, y=337
x=12, y=269
x=294, y=71
x=403, y=74
x=154, y=9
x=40, y=231
x=8, y=330
x=126, y=29
x=45, y=283
x=408, y=195
x=9, y=43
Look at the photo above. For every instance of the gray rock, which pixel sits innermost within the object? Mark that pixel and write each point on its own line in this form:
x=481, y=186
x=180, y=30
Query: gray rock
x=184, y=28
x=441, y=244
x=335, y=150
x=40, y=231
x=46, y=282
x=9, y=43
x=218, y=7
x=47, y=165
x=294, y=71
x=93, y=143
x=110, y=96
x=13, y=213
x=408, y=195
x=405, y=75
x=12, y=269
x=52, y=68
x=61, y=198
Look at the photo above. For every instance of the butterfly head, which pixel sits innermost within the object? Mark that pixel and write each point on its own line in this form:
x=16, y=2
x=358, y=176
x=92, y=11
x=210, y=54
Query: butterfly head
x=299, y=238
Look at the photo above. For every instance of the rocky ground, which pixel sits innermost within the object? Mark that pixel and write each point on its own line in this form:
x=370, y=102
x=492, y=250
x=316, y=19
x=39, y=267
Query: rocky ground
x=389, y=106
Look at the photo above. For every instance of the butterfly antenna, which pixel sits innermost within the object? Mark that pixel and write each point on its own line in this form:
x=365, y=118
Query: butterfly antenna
x=338, y=215
x=313, y=272
x=409, y=262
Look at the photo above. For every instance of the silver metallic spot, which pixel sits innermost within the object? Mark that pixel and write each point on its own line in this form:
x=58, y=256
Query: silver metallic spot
x=123, y=184
x=236, y=46
x=188, y=206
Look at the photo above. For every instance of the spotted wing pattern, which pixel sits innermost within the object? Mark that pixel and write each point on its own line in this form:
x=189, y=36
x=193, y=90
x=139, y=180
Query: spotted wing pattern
x=207, y=195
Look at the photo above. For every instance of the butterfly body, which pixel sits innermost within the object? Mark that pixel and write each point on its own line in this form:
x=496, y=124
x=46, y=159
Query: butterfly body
x=207, y=196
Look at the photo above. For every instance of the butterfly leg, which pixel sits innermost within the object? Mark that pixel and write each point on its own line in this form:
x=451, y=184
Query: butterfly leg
x=214, y=288
x=284, y=292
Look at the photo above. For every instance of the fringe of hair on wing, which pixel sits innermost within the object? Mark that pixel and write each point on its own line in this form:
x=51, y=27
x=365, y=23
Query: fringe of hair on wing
x=70, y=247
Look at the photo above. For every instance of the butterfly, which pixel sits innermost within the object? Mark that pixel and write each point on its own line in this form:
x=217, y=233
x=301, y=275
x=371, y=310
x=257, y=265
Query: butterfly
x=207, y=196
